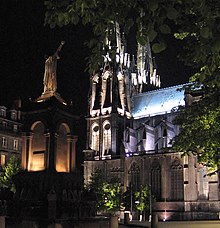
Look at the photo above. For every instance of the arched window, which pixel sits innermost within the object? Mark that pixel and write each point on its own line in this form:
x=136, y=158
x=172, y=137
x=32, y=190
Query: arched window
x=135, y=176
x=177, y=180
x=144, y=136
x=156, y=180
x=62, y=156
x=106, y=138
x=164, y=142
x=38, y=147
x=203, y=183
x=95, y=137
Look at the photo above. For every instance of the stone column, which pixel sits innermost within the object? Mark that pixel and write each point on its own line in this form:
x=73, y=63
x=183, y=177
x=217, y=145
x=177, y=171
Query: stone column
x=52, y=147
x=24, y=152
x=28, y=150
x=69, y=152
x=46, y=156
x=73, y=153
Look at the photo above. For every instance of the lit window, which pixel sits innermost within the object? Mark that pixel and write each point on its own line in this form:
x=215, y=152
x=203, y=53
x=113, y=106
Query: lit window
x=13, y=115
x=176, y=180
x=15, y=128
x=164, y=142
x=3, y=159
x=156, y=180
x=106, y=138
x=4, y=124
x=4, y=142
x=95, y=138
x=15, y=144
x=3, y=112
x=135, y=176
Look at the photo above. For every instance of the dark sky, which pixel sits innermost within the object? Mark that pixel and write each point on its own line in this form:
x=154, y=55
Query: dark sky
x=24, y=41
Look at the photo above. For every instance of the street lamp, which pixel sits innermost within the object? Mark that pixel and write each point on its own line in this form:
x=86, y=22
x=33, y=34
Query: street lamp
x=150, y=215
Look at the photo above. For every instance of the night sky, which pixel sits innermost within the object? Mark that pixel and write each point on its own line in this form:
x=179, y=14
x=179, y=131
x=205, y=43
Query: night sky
x=24, y=41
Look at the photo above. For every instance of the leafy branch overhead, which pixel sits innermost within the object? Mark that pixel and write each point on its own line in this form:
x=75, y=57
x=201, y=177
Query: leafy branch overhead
x=200, y=128
x=195, y=22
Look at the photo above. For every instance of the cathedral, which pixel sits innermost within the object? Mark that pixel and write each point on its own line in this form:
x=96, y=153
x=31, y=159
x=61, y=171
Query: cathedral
x=130, y=127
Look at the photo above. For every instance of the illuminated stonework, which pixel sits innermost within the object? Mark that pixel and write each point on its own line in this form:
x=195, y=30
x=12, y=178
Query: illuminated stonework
x=106, y=139
x=36, y=161
x=95, y=137
x=135, y=128
x=62, y=156
x=49, y=142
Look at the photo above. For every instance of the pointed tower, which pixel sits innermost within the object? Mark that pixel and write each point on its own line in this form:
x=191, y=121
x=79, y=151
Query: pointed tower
x=145, y=73
x=111, y=90
x=109, y=102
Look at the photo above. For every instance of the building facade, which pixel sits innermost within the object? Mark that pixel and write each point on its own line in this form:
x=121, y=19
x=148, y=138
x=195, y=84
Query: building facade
x=49, y=190
x=129, y=135
x=10, y=133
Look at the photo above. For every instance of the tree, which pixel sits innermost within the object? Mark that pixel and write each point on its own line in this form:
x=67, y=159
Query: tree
x=108, y=192
x=112, y=196
x=9, y=170
x=200, y=129
x=142, y=199
x=196, y=25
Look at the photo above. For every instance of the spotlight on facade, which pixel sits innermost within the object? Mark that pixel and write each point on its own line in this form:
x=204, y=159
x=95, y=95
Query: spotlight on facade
x=165, y=218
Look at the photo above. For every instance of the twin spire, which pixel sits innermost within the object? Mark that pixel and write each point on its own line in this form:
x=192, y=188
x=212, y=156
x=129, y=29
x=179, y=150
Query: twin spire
x=121, y=77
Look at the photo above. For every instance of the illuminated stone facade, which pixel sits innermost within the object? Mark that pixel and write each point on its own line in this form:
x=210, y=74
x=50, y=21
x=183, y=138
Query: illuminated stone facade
x=129, y=134
x=10, y=132
x=49, y=137
x=180, y=184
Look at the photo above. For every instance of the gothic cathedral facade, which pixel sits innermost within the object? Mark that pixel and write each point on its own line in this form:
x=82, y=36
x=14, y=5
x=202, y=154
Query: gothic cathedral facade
x=129, y=133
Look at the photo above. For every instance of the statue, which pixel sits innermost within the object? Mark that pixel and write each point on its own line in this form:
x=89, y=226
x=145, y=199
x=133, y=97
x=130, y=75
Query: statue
x=50, y=73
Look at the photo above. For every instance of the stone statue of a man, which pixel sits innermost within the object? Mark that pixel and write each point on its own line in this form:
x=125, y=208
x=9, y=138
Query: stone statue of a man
x=50, y=73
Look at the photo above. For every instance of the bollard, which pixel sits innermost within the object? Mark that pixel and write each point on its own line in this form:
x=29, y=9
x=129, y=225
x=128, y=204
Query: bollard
x=113, y=223
x=126, y=218
x=154, y=221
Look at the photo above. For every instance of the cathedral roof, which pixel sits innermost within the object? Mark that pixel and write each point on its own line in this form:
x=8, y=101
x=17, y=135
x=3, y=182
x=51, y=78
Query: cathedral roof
x=158, y=102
